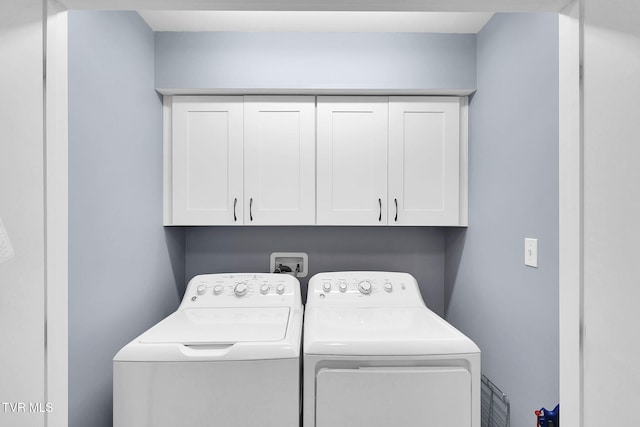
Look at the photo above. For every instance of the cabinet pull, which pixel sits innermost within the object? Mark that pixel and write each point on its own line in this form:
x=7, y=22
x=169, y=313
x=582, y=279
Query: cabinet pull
x=380, y=204
x=396, y=218
x=250, y=209
x=235, y=202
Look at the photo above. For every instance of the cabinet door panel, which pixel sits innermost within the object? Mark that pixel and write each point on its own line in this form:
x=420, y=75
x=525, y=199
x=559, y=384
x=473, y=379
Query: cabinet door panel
x=279, y=160
x=207, y=160
x=424, y=160
x=352, y=160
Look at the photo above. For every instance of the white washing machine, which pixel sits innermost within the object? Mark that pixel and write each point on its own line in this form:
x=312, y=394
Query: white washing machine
x=376, y=356
x=229, y=356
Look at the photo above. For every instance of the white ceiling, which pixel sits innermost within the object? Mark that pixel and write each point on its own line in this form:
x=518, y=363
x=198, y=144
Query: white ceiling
x=316, y=21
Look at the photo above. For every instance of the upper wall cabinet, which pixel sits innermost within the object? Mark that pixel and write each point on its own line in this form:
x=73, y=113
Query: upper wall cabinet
x=240, y=160
x=424, y=161
x=352, y=160
x=391, y=161
x=302, y=160
x=206, y=160
x=279, y=160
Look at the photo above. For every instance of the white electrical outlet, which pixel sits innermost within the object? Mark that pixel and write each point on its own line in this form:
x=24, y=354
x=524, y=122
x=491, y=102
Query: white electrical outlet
x=531, y=252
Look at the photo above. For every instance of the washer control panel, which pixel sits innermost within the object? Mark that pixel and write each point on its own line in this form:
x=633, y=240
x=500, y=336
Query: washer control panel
x=242, y=290
x=364, y=289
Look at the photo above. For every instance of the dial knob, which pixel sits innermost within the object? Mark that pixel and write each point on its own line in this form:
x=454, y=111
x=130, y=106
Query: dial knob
x=326, y=286
x=202, y=289
x=280, y=289
x=217, y=289
x=342, y=286
x=364, y=287
x=241, y=289
x=264, y=289
x=388, y=287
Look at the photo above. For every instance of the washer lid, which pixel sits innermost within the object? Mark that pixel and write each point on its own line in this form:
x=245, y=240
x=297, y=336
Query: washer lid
x=194, y=326
x=381, y=331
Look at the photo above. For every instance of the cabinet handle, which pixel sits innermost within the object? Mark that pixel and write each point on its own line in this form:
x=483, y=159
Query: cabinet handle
x=380, y=204
x=235, y=202
x=396, y=201
x=250, y=209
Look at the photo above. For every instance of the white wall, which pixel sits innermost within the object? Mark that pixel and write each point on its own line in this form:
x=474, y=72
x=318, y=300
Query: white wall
x=611, y=212
x=22, y=284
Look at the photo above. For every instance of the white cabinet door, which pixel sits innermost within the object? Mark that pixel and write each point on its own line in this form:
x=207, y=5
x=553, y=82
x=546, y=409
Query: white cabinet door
x=424, y=160
x=207, y=160
x=279, y=160
x=352, y=160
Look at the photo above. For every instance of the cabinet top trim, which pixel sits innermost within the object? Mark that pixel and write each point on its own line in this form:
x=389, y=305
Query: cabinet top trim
x=322, y=91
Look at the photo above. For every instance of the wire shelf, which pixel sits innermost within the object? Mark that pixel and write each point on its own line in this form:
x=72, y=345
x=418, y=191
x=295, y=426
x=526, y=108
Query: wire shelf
x=496, y=410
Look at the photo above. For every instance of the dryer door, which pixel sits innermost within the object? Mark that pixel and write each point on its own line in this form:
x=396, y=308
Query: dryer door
x=394, y=396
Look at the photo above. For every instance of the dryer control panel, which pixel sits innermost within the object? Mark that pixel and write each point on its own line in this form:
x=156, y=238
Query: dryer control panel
x=364, y=289
x=242, y=290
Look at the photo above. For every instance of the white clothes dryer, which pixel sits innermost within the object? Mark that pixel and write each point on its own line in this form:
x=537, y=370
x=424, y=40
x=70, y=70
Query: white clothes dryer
x=376, y=356
x=229, y=356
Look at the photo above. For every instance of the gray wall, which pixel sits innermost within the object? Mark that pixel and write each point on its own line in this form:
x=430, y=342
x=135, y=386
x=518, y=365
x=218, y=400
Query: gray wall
x=123, y=266
x=315, y=60
x=127, y=272
x=510, y=310
x=348, y=61
x=415, y=250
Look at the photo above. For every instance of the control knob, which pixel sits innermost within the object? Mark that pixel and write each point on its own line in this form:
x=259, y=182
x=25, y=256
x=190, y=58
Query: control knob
x=364, y=287
x=326, y=286
x=280, y=289
x=217, y=289
x=202, y=289
x=241, y=289
x=388, y=287
x=342, y=286
x=264, y=289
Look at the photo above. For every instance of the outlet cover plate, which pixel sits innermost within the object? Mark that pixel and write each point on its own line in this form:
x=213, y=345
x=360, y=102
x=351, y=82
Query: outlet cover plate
x=531, y=252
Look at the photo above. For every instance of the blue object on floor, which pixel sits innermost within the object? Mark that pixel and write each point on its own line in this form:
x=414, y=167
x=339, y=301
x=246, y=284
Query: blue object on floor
x=548, y=418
